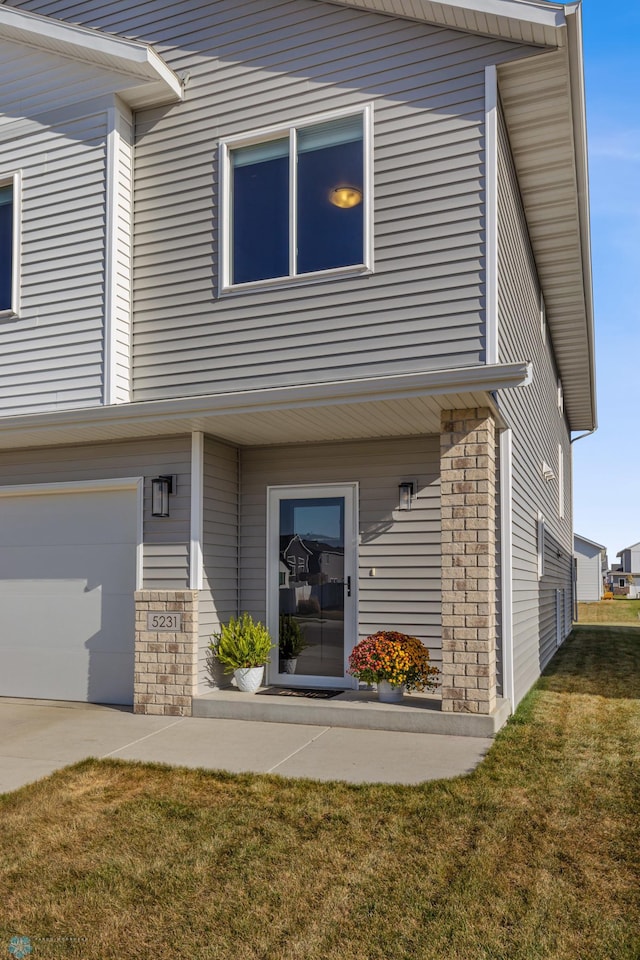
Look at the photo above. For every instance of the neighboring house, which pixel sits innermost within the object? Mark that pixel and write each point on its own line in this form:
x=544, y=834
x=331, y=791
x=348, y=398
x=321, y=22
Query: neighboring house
x=271, y=268
x=590, y=558
x=626, y=579
x=297, y=555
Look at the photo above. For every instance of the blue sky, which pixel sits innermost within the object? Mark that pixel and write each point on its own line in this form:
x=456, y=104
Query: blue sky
x=607, y=464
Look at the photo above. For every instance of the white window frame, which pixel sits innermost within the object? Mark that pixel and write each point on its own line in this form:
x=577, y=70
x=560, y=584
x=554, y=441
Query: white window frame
x=560, y=396
x=540, y=546
x=227, y=144
x=14, y=180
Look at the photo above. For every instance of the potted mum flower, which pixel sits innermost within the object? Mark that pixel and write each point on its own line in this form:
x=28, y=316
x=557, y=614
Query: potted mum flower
x=395, y=662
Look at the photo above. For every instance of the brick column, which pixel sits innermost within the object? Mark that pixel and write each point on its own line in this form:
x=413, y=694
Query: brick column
x=468, y=497
x=166, y=661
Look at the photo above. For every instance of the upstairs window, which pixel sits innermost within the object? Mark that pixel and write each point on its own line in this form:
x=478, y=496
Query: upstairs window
x=297, y=201
x=9, y=210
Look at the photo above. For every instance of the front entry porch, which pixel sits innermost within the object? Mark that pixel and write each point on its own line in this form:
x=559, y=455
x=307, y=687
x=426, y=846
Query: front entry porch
x=354, y=709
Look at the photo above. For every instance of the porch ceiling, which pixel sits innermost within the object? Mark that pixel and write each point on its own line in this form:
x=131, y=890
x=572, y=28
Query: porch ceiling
x=347, y=410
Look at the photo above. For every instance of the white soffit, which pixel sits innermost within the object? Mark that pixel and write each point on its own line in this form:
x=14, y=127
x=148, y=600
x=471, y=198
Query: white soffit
x=523, y=21
x=403, y=405
x=151, y=80
x=543, y=99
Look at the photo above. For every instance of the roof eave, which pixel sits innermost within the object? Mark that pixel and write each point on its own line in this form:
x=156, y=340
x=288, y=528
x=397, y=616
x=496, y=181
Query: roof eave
x=151, y=80
x=576, y=66
x=522, y=21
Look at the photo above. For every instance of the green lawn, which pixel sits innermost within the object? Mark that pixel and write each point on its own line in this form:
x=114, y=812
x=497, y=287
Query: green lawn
x=610, y=611
x=535, y=855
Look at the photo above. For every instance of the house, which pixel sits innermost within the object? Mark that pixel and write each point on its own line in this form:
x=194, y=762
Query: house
x=625, y=581
x=591, y=565
x=277, y=268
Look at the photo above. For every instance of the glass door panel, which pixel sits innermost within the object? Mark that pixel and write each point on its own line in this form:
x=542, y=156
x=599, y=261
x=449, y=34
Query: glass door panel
x=312, y=612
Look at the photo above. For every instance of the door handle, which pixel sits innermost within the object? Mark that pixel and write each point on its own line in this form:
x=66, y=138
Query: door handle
x=348, y=586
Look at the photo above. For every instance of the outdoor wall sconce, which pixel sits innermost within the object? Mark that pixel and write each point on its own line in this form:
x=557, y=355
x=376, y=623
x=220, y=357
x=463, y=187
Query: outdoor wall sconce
x=161, y=487
x=406, y=495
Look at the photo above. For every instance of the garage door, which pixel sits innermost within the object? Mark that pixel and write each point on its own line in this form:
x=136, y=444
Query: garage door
x=67, y=582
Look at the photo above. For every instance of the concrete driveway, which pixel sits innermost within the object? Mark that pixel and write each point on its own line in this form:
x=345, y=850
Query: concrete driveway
x=38, y=737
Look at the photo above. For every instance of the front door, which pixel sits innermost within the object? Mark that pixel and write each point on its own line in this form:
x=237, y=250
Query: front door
x=312, y=584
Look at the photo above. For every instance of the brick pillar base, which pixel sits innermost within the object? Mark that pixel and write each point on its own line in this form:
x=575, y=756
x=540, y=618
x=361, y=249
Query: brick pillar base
x=468, y=492
x=166, y=660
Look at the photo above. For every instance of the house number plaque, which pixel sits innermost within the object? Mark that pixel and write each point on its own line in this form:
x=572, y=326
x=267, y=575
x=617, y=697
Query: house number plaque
x=159, y=622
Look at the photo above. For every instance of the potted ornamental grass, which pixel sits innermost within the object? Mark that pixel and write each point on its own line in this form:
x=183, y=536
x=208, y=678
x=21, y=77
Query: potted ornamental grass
x=291, y=642
x=396, y=662
x=243, y=646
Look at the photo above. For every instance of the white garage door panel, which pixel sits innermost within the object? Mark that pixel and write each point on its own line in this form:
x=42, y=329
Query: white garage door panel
x=77, y=569
x=67, y=578
x=69, y=518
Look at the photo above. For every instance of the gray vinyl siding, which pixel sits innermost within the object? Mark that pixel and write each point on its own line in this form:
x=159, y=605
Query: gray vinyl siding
x=256, y=63
x=538, y=429
x=51, y=356
x=166, y=540
x=219, y=597
x=403, y=547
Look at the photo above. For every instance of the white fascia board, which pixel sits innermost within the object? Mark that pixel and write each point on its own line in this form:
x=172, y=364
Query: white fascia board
x=579, y=115
x=508, y=19
x=127, y=57
x=525, y=11
x=486, y=377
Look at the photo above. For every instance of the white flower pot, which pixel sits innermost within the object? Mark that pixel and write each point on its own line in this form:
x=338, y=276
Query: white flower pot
x=249, y=679
x=289, y=666
x=387, y=693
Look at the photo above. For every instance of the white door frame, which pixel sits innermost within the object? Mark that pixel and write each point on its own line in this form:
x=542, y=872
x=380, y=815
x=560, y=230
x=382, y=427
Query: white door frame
x=305, y=491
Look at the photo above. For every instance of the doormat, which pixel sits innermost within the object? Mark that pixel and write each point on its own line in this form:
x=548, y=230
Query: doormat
x=299, y=692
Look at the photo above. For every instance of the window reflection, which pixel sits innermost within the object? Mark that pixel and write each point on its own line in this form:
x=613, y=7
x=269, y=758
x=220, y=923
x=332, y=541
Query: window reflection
x=311, y=587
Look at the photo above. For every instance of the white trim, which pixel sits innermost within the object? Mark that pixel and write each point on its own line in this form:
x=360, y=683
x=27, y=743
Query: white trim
x=560, y=482
x=506, y=564
x=197, y=508
x=368, y=147
x=91, y=486
x=14, y=180
x=152, y=81
x=116, y=389
x=491, y=207
x=111, y=257
x=350, y=492
x=293, y=194
x=225, y=284
x=540, y=545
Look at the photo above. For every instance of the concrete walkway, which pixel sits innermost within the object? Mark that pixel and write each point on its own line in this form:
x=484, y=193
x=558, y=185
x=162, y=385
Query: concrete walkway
x=38, y=737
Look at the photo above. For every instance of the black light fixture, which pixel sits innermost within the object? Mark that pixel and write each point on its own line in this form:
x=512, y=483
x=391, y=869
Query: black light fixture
x=161, y=487
x=405, y=490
